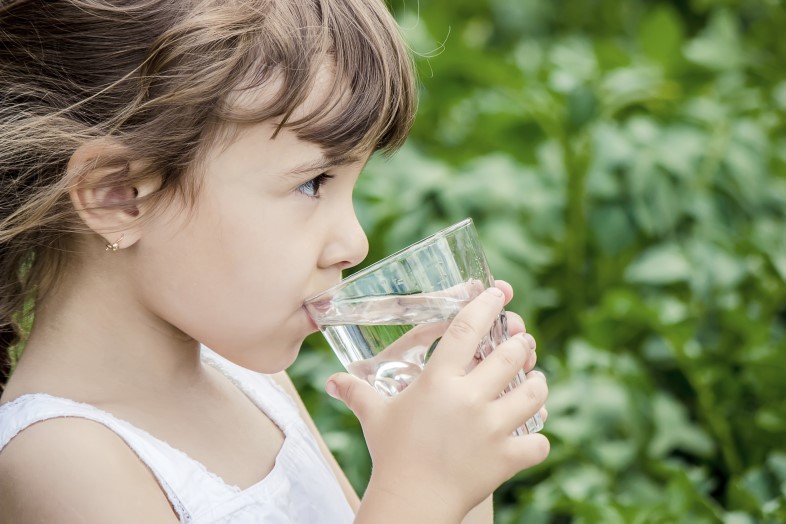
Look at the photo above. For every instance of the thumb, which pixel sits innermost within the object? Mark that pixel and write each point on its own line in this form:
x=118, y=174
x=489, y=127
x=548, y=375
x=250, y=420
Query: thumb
x=358, y=395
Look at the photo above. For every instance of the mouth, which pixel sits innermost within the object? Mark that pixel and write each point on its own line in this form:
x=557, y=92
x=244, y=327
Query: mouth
x=311, y=322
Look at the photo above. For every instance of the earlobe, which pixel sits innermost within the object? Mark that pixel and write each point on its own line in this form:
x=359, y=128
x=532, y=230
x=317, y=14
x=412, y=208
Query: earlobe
x=105, y=191
x=114, y=246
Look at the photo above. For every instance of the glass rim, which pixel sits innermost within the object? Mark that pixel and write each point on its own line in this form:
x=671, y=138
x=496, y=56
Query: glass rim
x=398, y=254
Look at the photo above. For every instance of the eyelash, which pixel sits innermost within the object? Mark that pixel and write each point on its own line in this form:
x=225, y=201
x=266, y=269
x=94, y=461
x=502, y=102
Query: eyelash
x=312, y=187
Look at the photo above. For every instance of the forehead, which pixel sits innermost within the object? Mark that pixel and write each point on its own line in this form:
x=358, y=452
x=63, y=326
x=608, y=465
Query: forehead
x=326, y=94
x=327, y=100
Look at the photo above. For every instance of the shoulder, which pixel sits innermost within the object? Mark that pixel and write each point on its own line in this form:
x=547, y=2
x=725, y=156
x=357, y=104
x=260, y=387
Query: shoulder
x=75, y=470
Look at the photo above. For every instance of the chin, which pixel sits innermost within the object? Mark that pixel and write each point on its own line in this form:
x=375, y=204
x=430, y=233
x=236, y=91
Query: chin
x=290, y=356
x=269, y=360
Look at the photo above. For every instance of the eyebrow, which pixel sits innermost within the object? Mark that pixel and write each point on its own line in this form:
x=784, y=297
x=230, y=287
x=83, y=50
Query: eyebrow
x=320, y=164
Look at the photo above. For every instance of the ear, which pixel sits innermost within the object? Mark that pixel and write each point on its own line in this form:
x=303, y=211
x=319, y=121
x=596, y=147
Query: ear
x=106, y=191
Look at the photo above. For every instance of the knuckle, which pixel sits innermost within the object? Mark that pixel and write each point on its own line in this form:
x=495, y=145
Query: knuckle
x=498, y=426
x=515, y=353
x=427, y=381
x=511, y=359
x=537, y=391
x=532, y=394
x=473, y=399
x=349, y=393
x=461, y=328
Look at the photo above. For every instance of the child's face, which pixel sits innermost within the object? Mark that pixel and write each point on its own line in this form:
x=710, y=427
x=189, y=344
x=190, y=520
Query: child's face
x=262, y=237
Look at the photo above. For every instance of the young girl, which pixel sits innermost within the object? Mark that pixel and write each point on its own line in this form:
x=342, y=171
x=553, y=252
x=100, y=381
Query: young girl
x=177, y=175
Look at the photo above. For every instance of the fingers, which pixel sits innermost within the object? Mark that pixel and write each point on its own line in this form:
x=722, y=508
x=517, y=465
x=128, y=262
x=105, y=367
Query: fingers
x=523, y=402
x=498, y=369
x=515, y=323
x=532, y=360
x=506, y=288
x=516, y=326
x=526, y=451
x=420, y=337
x=358, y=395
x=465, y=332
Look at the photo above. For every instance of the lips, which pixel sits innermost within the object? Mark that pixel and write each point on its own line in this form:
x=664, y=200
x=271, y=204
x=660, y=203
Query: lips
x=311, y=322
x=321, y=306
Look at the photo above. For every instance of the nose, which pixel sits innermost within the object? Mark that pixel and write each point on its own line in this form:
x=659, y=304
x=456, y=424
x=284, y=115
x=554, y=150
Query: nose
x=347, y=245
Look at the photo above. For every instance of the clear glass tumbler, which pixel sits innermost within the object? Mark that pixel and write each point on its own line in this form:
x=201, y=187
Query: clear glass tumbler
x=383, y=322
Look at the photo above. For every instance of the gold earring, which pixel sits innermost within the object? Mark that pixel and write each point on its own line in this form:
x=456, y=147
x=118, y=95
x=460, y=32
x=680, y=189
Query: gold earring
x=116, y=245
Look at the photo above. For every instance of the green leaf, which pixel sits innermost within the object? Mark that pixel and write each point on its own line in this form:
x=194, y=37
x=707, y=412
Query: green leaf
x=661, y=36
x=674, y=432
x=719, y=47
x=612, y=228
x=663, y=264
x=573, y=64
x=720, y=269
x=680, y=150
x=628, y=86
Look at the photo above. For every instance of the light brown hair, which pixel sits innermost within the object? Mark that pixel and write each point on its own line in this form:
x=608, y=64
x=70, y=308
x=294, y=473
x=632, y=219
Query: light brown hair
x=160, y=76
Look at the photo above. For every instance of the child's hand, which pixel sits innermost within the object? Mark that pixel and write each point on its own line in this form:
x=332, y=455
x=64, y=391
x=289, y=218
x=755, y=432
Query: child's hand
x=446, y=442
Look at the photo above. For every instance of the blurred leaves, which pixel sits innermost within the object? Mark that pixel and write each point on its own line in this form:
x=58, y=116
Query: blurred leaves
x=624, y=162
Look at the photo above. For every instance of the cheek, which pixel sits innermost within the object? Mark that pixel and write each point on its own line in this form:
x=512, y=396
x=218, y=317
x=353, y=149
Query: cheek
x=230, y=282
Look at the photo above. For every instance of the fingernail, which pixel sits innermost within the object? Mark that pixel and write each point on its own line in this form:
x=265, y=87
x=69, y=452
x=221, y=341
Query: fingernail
x=531, y=340
x=331, y=389
x=530, y=359
x=495, y=292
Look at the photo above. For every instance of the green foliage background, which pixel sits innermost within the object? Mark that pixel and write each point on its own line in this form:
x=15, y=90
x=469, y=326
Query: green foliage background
x=625, y=163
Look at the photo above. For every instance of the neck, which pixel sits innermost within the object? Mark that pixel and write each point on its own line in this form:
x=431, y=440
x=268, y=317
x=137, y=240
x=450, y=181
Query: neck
x=95, y=341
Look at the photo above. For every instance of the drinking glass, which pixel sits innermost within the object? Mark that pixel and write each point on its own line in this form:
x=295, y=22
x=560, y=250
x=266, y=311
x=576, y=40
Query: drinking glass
x=384, y=322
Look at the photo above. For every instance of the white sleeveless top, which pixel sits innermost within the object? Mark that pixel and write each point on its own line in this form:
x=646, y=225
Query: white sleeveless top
x=301, y=488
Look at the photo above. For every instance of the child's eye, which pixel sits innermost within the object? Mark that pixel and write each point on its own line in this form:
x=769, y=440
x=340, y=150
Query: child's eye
x=312, y=187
